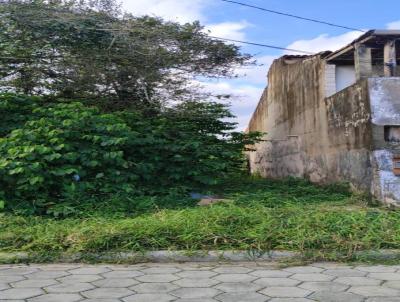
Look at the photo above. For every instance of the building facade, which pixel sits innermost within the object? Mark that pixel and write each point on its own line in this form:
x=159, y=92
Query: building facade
x=334, y=116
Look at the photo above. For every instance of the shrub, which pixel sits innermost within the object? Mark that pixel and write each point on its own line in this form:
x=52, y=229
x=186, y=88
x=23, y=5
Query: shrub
x=15, y=111
x=68, y=153
x=69, y=150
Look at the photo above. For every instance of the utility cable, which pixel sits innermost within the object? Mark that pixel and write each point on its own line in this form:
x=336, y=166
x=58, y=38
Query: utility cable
x=293, y=16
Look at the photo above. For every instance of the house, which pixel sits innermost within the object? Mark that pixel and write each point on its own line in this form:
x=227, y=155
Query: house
x=334, y=116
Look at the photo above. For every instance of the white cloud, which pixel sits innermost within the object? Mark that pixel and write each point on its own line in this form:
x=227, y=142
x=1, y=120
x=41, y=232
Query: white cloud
x=229, y=30
x=174, y=10
x=325, y=42
x=393, y=25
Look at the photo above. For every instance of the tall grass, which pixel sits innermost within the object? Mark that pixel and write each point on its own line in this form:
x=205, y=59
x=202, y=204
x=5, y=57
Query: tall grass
x=262, y=215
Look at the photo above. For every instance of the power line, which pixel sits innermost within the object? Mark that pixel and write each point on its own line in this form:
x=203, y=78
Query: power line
x=213, y=37
x=263, y=45
x=292, y=16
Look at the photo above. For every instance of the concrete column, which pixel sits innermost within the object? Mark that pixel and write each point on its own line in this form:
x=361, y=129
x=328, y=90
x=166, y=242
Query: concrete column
x=362, y=61
x=390, y=62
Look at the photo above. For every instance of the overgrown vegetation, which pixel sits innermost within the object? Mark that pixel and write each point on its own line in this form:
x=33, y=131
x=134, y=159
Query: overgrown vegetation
x=321, y=222
x=103, y=150
x=67, y=154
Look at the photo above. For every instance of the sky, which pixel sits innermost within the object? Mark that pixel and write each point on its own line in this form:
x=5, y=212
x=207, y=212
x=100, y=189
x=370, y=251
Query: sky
x=240, y=23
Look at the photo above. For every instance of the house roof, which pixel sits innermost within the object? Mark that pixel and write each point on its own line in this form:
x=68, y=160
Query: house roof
x=374, y=39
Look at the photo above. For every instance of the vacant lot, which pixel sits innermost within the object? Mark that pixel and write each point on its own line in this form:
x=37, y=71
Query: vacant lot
x=321, y=222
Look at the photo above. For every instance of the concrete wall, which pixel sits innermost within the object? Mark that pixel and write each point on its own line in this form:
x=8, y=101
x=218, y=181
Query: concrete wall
x=308, y=135
x=385, y=111
x=345, y=77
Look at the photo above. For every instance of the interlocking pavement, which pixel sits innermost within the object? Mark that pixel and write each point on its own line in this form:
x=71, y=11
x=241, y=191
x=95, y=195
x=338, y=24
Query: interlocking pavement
x=199, y=282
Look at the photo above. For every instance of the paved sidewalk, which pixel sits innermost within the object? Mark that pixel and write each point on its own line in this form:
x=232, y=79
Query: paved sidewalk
x=246, y=282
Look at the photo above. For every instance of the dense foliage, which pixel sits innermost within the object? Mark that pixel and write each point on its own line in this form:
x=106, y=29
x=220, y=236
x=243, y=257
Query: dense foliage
x=76, y=50
x=66, y=152
x=114, y=111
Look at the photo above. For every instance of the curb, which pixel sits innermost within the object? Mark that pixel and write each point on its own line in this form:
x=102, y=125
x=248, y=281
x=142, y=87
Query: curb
x=185, y=256
x=153, y=256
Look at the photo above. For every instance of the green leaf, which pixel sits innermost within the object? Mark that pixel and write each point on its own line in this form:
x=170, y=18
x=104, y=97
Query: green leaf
x=36, y=180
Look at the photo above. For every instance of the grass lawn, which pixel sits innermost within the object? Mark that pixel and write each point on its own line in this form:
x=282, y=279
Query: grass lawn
x=321, y=222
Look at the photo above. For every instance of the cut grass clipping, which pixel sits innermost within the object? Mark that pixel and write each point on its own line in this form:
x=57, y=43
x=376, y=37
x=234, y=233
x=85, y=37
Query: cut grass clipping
x=321, y=222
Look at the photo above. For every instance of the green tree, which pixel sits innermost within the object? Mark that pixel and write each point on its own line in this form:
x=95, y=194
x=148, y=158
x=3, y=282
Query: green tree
x=89, y=49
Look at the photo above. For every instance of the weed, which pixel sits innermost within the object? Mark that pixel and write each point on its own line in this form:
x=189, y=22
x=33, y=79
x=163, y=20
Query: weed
x=322, y=223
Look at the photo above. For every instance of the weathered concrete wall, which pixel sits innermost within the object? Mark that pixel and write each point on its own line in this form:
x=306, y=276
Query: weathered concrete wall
x=308, y=135
x=385, y=110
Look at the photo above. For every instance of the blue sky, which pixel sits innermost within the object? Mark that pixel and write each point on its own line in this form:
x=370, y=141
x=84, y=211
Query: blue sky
x=236, y=22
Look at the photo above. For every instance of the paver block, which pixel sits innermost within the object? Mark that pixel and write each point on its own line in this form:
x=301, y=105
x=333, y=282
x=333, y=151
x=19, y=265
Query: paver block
x=274, y=282
x=271, y=274
x=5, y=266
x=115, y=282
x=160, y=270
x=158, y=278
x=382, y=299
x=374, y=291
x=38, y=283
x=69, y=288
x=55, y=267
x=134, y=267
x=235, y=278
x=324, y=286
x=18, y=271
x=194, y=274
x=89, y=270
x=206, y=282
x=149, y=297
x=303, y=270
x=197, y=300
x=47, y=275
x=355, y=281
x=195, y=293
x=122, y=274
x=102, y=300
x=241, y=297
x=153, y=288
x=80, y=278
x=345, y=272
x=238, y=287
x=57, y=298
x=312, y=277
x=327, y=296
x=290, y=300
x=392, y=284
x=285, y=292
x=107, y=293
x=232, y=270
x=196, y=267
x=377, y=269
x=385, y=276
x=11, y=278
x=21, y=293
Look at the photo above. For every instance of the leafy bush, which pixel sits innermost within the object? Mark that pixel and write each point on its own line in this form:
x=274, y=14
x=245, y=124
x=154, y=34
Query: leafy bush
x=69, y=150
x=189, y=145
x=68, y=153
x=15, y=111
